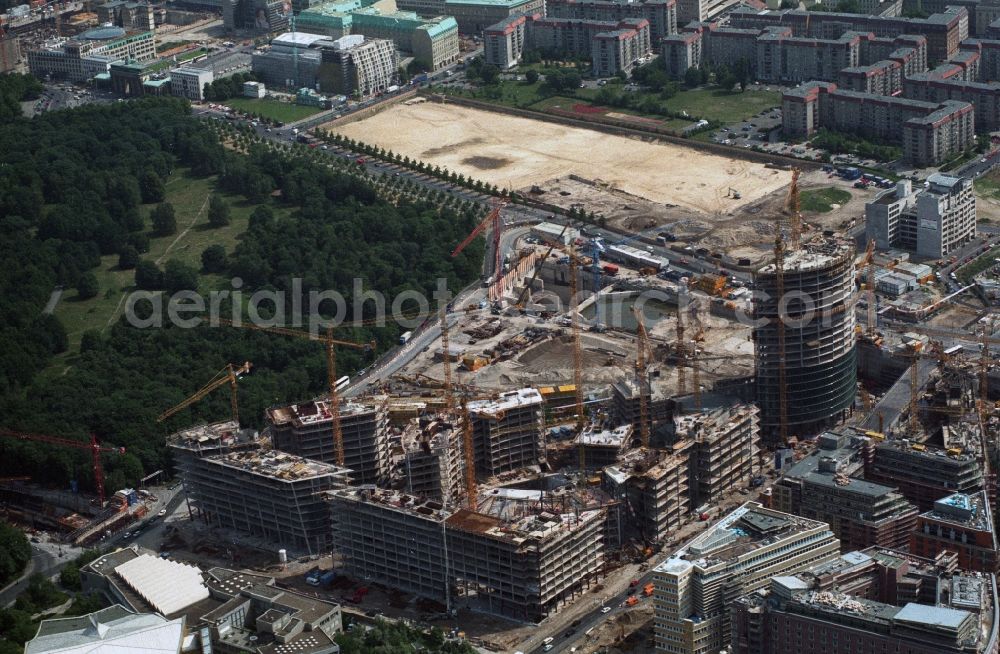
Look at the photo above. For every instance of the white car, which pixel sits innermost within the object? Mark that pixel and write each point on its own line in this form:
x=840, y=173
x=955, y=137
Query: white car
x=606, y=609
x=162, y=513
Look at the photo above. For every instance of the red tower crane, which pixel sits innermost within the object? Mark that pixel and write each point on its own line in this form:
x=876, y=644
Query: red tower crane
x=96, y=449
x=491, y=221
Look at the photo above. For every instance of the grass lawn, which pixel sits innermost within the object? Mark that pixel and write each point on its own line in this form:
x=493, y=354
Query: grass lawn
x=988, y=186
x=282, y=111
x=189, y=196
x=725, y=106
x=822, y=200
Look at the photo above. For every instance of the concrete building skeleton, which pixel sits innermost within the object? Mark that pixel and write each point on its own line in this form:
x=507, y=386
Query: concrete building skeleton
x=723, y=450
x=507, y=432
x=654, y=489
x=266, y=493
x=433, y=464
x=524, y=569
x=306, y=429
x=923, y=474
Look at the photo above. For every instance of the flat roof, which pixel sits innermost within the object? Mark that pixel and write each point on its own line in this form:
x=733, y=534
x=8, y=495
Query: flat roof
x=938, y=616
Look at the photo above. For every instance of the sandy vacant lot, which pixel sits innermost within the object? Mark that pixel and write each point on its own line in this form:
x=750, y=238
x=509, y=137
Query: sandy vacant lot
x=514, y=152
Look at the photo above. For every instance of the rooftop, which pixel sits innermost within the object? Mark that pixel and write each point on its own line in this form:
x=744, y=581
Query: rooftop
x=744, y=530
x=522, y=397
x=275, y=464
x=211, y=436
x=313, y=412
x=168, y=586
x=617, y=437
x=970, y=511
x=109, y=630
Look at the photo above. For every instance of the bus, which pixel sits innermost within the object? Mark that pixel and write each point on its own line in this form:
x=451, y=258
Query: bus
x=404, y=338
x=342, y=383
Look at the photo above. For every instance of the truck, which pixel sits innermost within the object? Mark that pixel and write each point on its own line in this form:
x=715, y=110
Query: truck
x=610, y=269
x=647, y=590
x=632, y=601
x=405, y=337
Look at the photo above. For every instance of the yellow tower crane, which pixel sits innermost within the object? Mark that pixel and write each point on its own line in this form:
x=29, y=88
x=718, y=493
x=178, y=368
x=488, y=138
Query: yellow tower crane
x=227, y=375
x=330, y=344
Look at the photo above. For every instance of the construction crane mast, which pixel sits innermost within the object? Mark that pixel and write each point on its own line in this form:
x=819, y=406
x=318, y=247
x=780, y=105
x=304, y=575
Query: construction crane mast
x=779, y=282
x=330, y=344
x=642, y=372
x=449, y=400
x=680, y=350
x=914, y=422
x=794, y=209
x=695, y=369
x=96, y=449
x=577, y=353
x=227, y=375
x=869, y=262
x=492, y=222
x=469, y=454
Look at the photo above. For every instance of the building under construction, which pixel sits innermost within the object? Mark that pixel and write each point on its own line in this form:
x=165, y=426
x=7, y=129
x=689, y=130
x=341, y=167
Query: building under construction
x=524, y=569
x=603, y=447
x=723, y=450
x=653, y=486
x=507, y=431
x=816, y=375
x=626, y=407
x=922, y=473
x=306, y=429
x=266, y=493
x=432, y=465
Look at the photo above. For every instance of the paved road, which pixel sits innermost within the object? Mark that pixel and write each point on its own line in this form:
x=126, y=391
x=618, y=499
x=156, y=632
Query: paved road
x=43, y=563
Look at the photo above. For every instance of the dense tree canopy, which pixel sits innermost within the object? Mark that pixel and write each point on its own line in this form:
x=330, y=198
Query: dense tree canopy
x=15, y=552
x=72, y=186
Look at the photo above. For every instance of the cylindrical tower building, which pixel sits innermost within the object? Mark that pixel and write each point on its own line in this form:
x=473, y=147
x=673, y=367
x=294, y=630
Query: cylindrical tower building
x=819, y=321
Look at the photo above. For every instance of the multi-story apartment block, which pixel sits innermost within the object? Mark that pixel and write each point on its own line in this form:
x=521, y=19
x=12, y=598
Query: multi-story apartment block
x=292, y=61
x=961, y=524
x=306, y=429
x=661, y=14
x=932, y=221
x=473, y=16
x=433, y=464
x=944, y=31
x=504, y=43
x=68, y=58
x=950, y=82
x=696, y=585
x=929, y=132
x=620, y=49
x=881, y=78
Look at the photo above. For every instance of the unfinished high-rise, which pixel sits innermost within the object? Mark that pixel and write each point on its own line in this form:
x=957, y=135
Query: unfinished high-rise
x=306, y=429
x=433, y=466
x=267, y=493
x=653, y=485
x=524, y=568
x=816, y=306
x=507, y=431
x=603, y=447
x=723, y=450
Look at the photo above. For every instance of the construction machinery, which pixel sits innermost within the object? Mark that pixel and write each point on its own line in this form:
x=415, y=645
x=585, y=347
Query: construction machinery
x=227, y=375
x=330, y=343
x=491, y=222
x=469, y=454
x=779, y=277
x=96, y=450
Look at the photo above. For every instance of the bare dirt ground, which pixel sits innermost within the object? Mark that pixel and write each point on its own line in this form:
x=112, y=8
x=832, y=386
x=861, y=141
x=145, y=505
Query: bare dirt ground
x=514, y=152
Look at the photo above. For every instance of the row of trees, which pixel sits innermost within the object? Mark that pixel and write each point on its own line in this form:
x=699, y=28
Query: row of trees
x=839, y=143
x=14, y=89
